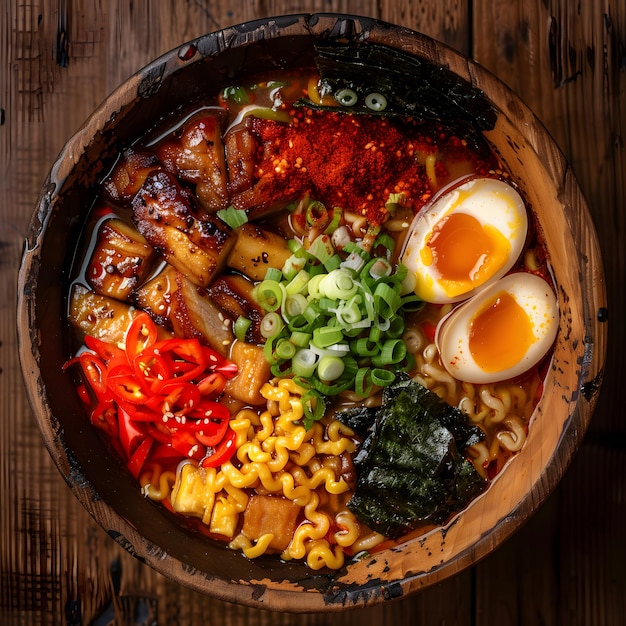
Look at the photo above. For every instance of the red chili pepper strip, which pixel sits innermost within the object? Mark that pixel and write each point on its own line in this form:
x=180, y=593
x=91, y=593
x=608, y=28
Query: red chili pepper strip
x=141, y=335
x=128, y=389
x=212, y=385
x=187, y=444
x=104, y=416
x=212, y=433
x=131, y=432
x=95, y=372
x=140, y=456
x=105, y=350
x=222, y=452
x=163, y=435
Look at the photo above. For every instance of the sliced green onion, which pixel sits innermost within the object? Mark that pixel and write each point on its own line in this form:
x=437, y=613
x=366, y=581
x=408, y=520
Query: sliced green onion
x=330, y=368
x=337, y=349
x=269, y=350
x=241, y=327
x=292, y=266
x=269, y=294
x=392, y=351
x=313, y=406
x=326, y=336
x=364, y=346
x=386, y=241
x=237, y=94
x=380, y=267
x=335, y=220
x=298, y=283
x=322, y=248
x=352, y=247
x=386, y=300
x=333, y=263
x=317, y=215
x=294, y=304
x=285, y=349
x=396, y=327
x=273, y=274
x=304, y=363
x=339, y=284
x=233, y=217
x=382, y=377
x=313, y=286
x=300, y=339
x=271, y=324
x=363, y=382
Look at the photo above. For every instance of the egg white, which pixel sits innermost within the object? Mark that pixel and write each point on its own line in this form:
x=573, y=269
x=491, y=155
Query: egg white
x=493, y=203
x=538, y=301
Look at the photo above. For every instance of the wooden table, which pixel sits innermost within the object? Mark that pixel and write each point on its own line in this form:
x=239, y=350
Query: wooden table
x=567, y=60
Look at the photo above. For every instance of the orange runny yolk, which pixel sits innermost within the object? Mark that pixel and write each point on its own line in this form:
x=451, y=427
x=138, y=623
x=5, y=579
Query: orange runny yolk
x=465, y=252
x=500, y=334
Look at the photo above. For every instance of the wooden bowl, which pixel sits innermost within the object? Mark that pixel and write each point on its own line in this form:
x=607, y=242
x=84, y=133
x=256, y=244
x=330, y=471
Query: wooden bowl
x=105, y=488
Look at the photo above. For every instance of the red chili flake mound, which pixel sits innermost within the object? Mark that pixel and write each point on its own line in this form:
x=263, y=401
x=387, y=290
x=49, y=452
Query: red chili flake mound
x=352, y=161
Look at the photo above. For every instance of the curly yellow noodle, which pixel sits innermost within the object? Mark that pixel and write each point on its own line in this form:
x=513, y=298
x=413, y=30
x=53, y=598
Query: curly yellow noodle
x=155, y=483
x=367, y=542
x=320, y=555
x=349, y=528
x=512, y=439
x=316, y=526
x=250, y=549
x=304, y=454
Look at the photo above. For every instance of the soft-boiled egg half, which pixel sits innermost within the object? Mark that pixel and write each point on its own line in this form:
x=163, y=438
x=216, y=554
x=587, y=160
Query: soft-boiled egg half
x=501, y=332
x=467, y=237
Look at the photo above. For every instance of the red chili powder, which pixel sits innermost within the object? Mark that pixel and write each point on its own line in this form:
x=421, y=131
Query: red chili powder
x=347, y=160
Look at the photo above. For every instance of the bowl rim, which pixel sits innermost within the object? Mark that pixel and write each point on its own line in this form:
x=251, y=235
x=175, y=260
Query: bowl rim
x=263, y=594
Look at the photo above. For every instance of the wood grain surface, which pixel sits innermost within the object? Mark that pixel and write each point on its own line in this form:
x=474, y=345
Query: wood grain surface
x=566, y=60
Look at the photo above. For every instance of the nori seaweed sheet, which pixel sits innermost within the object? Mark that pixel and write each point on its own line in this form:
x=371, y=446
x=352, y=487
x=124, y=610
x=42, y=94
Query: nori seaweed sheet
x=411, y=468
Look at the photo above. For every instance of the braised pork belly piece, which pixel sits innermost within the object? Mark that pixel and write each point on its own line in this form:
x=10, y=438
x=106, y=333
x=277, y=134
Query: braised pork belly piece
x=194, y=242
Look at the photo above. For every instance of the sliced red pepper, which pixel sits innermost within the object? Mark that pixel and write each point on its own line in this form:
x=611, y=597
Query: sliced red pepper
x=160, y=433
x=128, y=389
x=212, y=385
x=95, y=373
x=131, y=432
x=152, y=369
x=217, y=363
x=175, y=398
x=222, y=452
x=104, y=416
x=141, y=335
x=212, y=433
x=106, y=351
x=139, y=457
x=429, y=330
x=187, y=444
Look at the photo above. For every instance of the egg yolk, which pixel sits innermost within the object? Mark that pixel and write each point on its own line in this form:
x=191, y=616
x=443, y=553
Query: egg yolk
x=501, y=334
x=465, y=252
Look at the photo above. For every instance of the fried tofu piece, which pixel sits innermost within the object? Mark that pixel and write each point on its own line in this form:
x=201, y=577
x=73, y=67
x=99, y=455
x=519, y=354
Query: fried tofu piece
x=198, y=157
x=256, y=249
x=99, y=316
x=253, y=373
x=194, y=242
x=271, y=514
x=121, y=259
